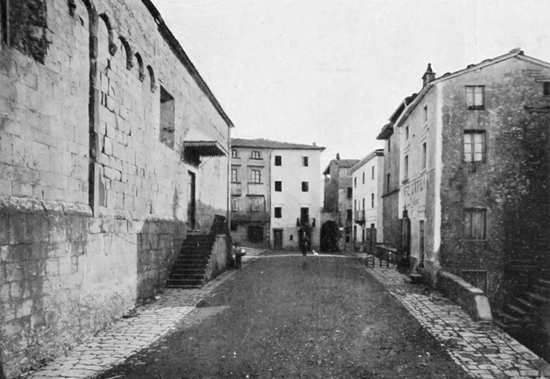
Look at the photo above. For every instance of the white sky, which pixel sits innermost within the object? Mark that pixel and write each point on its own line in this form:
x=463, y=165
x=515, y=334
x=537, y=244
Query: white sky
x=332, y=71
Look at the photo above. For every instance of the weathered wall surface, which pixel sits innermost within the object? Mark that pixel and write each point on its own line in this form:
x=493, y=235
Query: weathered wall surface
x=416, y=192
x=219, y=257
x=81, y=242
x=245, y=194
x=511, y=184
x=390, y=196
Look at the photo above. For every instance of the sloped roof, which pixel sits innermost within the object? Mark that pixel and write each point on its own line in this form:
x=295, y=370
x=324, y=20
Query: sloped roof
x=514, y=53
x=341, y=163
x=177, y=49
x=361, y=163
x=269, y=144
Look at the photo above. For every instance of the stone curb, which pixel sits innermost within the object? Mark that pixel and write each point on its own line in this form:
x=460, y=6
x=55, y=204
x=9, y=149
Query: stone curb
x=481, y=349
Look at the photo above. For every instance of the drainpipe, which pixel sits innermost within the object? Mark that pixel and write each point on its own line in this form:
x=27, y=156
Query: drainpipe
x=228, y=183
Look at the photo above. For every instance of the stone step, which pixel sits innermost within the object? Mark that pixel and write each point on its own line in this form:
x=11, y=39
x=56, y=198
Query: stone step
x=516, y=310
x=188, y=270
x=507, y=325
x=538, y=297
x=525, y=303
x=507, y=318
x=184, y=282
x=541, y=289
x=184, y=286
x=189, y=266
x=176, y=276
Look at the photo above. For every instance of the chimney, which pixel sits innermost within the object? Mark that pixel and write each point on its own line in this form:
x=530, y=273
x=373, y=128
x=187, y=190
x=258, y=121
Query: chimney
x=428, y=76
x=337, y=156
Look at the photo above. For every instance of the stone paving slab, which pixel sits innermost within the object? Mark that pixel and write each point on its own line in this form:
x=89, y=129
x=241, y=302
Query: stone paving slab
x=115, y=344
x=482, y=349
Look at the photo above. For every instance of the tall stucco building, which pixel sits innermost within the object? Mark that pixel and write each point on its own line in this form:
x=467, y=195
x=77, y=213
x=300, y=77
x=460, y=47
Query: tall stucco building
x=473, y=177
x=275, y=192
x=112, y=149
x=338, y=204
x=368, y=181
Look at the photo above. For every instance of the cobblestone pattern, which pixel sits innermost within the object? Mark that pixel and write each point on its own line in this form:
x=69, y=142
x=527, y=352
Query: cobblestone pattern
x=482, y=349
x=126, y=337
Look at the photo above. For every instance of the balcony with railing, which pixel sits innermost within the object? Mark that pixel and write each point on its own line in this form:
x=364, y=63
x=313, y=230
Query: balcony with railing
x=256, y=189
x=249, y=209
x=360, y=216
x=236, y=189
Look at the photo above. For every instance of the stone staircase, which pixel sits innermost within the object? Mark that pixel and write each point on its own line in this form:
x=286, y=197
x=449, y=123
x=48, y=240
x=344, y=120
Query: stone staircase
x=189, y=269
x=525, y=314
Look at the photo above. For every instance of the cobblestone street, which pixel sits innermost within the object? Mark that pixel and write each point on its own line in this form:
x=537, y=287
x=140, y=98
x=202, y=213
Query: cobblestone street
x=480, y=348
x=276, y=318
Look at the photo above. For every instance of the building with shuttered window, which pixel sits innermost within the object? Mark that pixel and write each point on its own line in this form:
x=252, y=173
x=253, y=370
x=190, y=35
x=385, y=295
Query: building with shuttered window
x=275, y=193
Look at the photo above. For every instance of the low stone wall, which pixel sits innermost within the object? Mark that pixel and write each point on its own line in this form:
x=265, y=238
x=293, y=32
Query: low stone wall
x=470, y=298
x=218, y=258
x=65, y=274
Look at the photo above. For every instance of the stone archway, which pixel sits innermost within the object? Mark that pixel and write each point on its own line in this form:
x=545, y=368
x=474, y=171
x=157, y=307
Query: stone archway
x=329, y=236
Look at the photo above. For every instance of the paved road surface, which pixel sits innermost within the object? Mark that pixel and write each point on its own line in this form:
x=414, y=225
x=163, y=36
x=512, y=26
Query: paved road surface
x=277, y=318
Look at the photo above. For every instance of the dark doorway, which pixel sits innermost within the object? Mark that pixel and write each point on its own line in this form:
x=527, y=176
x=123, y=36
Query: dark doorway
x=192, y=203
x=421, y=244
x=329, y=236
x=277, y=239
x=304, y=216
x=255, y=233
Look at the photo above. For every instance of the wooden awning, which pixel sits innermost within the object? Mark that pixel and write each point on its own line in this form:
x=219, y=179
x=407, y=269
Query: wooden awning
x=204, y=148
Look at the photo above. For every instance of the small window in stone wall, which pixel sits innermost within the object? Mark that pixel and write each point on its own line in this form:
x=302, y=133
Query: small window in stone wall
x=278, y=160
x=475, y=97
x=546, y=88
x=475, y=223
x=167, y=118
x=278, y=212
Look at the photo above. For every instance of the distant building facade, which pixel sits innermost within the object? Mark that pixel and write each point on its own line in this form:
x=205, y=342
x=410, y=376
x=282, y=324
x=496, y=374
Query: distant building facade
x=281, y=195
x=368, y=181
x=338, y=199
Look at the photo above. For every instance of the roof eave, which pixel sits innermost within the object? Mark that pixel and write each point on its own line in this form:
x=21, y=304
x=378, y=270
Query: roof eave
x=178, y=51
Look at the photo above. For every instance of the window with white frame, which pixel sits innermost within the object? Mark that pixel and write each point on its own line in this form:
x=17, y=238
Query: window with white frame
x=255, y=176
x=474, y=146
x=235, y=175
x=475, y=97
